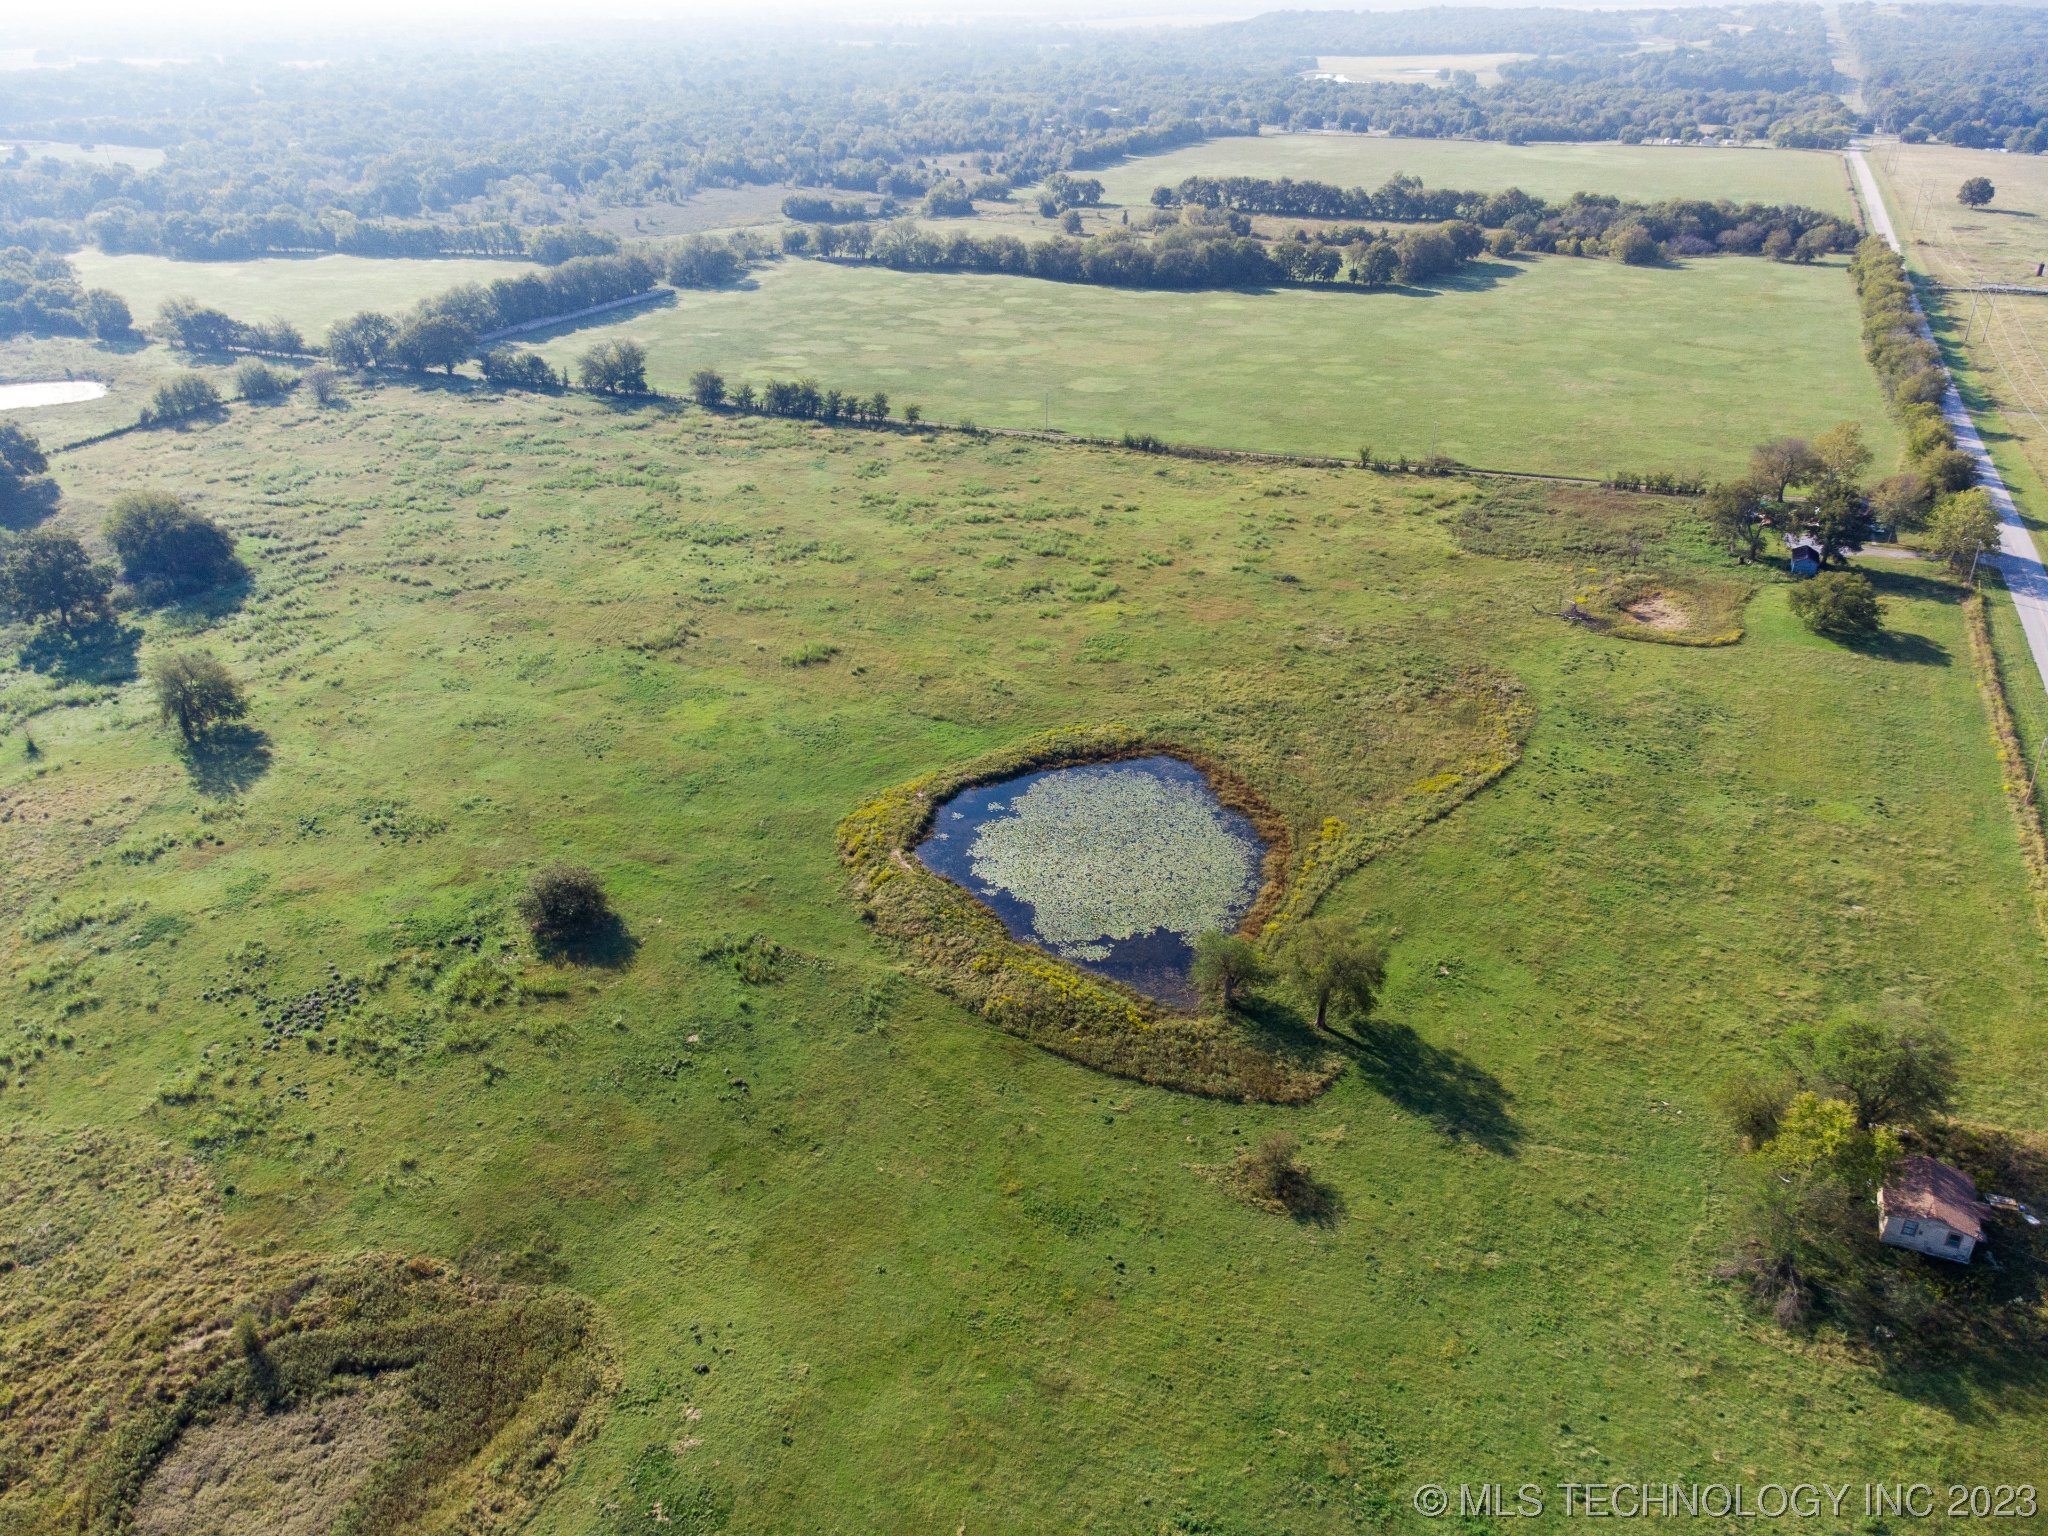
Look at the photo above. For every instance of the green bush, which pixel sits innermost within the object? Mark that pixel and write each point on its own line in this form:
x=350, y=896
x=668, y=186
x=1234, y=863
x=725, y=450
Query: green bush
x=564, y=903
x=163, y=544
x=180, y=398
x=1839, y=604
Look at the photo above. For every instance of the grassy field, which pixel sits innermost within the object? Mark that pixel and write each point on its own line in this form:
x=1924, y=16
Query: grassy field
x=142, y=157
x=870, y=1264
x=310, y=291
x=2002, y=339
x=1561, y=365
x=1417, y=69
x=1812, y=177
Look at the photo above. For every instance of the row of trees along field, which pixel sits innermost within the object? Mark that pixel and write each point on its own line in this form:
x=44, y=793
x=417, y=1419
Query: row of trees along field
x=1974, y=75
x=453, y=151
x=122, y=228
x=1183, y=256
x=1679, y=226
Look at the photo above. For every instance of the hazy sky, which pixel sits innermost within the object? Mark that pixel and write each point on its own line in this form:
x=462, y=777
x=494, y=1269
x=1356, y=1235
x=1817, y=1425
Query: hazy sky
x=149, y=28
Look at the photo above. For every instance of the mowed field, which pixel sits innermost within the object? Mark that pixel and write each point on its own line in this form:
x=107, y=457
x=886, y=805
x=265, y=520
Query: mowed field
x=1554, y=364
x=310, y=291
x=1646, y=172
x=868, y=1263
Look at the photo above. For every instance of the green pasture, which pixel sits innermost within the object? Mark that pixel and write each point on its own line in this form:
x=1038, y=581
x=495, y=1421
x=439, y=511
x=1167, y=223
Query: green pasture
x=869, y=1263
x=1816, y=178
x=310, y=291
x=1553, y=364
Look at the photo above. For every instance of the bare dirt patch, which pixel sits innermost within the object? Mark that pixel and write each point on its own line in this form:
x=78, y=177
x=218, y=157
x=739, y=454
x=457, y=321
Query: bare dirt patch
x=1657, y=610
x=223, y=1478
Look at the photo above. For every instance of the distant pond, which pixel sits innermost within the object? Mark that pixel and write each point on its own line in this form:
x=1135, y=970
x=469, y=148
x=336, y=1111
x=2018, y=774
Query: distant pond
x=1112, y=866
x=22, y=397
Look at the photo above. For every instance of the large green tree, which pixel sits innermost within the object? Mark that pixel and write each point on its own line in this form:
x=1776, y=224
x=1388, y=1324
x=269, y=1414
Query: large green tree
x=1962, y=525
x=45, y=575
x=195, y=692
x=1732, y=511
x=362, y=340
x=1976, y=192
x=1332, y=965
x=1839, y=604
x=1891, y=1070
x=162, y=543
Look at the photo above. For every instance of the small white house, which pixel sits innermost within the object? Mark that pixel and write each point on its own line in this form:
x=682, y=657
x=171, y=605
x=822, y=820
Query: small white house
x=1931, y=1208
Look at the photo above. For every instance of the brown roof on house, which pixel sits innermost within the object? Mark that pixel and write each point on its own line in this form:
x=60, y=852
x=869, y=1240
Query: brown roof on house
x=1932, y=1191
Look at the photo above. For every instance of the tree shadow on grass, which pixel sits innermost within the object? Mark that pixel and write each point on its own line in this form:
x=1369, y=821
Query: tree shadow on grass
x=1478, y=276
x=610, y=946
x=29, y=505
x=1893, y=645
x=1899, y=579
x=190, y=613
x=228, y=760
x=102, y=651
x=1461, y=1099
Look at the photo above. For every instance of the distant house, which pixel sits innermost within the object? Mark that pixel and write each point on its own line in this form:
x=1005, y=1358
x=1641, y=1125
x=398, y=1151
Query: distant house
x=1931, y=1208
x=1804, y=553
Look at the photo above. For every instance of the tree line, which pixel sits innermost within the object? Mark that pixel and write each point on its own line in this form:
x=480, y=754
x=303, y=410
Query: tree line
x=186, y=236
x=1678, y=226
x=803, y=399
x=391, y=154
x=1184, y=257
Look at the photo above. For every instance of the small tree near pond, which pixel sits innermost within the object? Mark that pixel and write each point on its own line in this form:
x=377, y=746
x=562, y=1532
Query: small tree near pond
x=1333, y=965
x=1224, y=963
x=563, y=904
x=1839, y=604
x=195, y=693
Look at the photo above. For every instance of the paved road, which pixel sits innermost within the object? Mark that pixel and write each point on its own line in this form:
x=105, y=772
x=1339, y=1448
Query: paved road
x=2017, y=557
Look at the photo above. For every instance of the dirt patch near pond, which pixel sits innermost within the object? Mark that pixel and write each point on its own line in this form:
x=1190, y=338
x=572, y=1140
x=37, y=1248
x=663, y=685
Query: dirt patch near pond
x=1657, y=610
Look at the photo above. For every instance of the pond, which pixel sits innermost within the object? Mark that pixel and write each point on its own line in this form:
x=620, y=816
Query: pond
x=1114, y=867
x=22, y=397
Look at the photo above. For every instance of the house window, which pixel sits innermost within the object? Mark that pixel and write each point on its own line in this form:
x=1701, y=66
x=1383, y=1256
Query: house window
x=1954, y=1240
x=1909, y=1229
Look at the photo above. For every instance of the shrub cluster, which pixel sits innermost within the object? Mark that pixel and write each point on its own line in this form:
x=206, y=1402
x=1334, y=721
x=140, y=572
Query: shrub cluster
x=802, y=399
x=40, y=296
x=199, y=327
x=164, y=547
x=182, y=396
